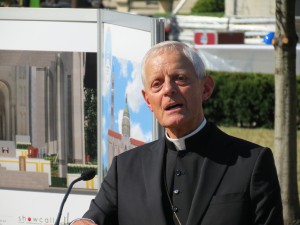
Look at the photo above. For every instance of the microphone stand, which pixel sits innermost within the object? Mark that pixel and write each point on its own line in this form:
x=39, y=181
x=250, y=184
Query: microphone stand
x=87, y=175
x=64, y=200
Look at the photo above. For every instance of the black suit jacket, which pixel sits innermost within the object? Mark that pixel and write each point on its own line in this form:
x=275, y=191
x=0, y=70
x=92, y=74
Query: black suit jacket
x=238, y=185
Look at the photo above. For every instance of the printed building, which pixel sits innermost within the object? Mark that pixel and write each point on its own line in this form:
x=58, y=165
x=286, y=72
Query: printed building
x=118, y=143
x=41, y=97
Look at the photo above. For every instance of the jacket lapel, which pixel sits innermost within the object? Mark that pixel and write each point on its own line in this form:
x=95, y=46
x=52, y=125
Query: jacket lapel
x=152, y=172
x=210, y=177
x=216, y=159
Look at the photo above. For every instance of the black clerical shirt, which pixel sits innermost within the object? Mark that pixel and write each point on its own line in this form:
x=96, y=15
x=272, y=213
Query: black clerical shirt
x=183, y=168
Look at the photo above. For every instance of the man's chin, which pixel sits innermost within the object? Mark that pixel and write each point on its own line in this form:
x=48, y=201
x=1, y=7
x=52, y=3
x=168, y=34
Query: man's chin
x=174, y=126
x=174, y=123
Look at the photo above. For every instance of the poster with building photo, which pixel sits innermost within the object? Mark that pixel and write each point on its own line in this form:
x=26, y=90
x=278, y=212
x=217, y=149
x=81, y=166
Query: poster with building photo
x=49, y=87
x=126, y=120
x=42, y=92
x=43, y=68
x=42, y=121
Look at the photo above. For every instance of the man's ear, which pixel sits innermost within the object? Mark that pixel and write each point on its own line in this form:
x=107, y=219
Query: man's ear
x=145, y=95
x=208, y=87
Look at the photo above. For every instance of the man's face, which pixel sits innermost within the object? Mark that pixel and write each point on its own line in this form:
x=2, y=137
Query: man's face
x=174, y=93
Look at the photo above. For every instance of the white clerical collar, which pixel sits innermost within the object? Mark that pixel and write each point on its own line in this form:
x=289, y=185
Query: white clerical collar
x=180, y=143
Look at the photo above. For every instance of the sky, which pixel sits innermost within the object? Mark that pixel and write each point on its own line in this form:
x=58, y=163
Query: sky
x=122, y=58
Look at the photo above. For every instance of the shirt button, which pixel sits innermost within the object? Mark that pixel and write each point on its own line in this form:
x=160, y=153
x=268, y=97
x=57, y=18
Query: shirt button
x=181, y=154
x=174, y=209
x=178, y=172
x=176, y=191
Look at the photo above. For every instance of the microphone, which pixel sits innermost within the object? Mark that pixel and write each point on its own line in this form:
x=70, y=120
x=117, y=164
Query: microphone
x=85, y=176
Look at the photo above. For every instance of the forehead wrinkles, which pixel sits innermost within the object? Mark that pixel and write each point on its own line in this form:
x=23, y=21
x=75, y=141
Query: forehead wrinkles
x=164, y=50
x=158, y=62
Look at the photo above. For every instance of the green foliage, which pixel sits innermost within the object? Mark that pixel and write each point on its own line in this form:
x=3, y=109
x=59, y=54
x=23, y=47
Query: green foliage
x=58, y=182
x=242, y=99
x=53, y=164
x=80, y=168
x=90, y=118
x=208, y=6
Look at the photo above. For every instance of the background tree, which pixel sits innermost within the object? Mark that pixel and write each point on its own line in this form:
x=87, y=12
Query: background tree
x=285, y=142
x=90, y=114
x=208, y=6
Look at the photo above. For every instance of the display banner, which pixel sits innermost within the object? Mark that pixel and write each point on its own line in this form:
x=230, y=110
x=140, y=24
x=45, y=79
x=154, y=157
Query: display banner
x=126, y=120
x=40, y=208
x=50, y=63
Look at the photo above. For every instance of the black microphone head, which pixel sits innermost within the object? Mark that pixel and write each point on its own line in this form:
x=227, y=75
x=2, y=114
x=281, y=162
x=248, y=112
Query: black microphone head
x=88, y=174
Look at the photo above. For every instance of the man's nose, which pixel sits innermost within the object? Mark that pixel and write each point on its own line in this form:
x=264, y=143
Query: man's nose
x=170, y=88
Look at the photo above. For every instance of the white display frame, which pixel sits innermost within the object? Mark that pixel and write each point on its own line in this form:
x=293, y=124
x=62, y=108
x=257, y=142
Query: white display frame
x=65, y=30
x=38, y=30
x=153, y=26
x=49, y=29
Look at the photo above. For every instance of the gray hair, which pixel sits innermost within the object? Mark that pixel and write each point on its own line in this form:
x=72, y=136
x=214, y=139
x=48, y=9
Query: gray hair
x=190, y=53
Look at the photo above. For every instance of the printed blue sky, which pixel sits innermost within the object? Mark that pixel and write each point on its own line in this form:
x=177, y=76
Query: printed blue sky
x=123, y=55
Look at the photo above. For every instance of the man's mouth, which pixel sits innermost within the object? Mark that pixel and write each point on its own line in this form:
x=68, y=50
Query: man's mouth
x=171, y=107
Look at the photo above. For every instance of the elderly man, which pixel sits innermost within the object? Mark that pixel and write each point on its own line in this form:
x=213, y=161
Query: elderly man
x=195, y=174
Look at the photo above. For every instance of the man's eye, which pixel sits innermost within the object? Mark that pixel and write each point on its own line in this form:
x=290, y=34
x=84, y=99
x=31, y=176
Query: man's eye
x=181, y=78
x=156, y=84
